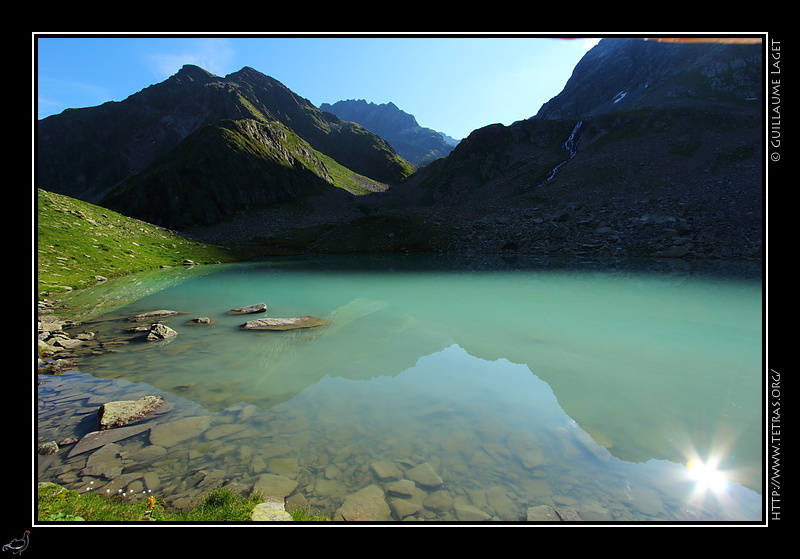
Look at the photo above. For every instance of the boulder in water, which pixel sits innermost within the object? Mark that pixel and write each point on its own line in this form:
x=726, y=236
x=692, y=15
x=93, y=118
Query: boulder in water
x=368, y=504
x=159, y=332
x=249, y=309
x=117, y=414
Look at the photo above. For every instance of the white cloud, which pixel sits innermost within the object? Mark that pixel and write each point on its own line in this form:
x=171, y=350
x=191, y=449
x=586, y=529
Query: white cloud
x=212, y=54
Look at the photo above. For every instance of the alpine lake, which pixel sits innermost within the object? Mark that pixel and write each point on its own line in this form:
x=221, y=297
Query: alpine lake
x=467, y=389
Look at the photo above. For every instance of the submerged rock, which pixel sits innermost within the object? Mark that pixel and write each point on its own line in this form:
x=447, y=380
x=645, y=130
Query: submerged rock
x=284, y=323
x=368, y=504
x=173, y=432
x=425, y=475
x=274, y=486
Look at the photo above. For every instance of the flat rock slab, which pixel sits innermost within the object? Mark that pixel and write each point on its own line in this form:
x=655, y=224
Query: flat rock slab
x=274, y=486
x=152, y=314
x=173, y=432
x=284, y=323
x=117, y=414
x=424, y=474
x=96, y=439
x=368, y=504
x=249, y=309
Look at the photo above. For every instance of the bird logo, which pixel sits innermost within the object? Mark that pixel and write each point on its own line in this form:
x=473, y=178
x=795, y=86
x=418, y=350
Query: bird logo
x=18, y=545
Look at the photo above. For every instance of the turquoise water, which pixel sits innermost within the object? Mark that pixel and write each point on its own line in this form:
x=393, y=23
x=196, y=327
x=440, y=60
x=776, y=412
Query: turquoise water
x=583, y=388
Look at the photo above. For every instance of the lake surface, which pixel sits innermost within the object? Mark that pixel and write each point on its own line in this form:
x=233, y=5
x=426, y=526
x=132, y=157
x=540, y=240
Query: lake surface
x=585, y=388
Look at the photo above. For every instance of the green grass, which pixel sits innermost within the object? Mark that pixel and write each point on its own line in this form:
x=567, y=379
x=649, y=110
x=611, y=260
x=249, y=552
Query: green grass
x=55, y=503
x=76, y=241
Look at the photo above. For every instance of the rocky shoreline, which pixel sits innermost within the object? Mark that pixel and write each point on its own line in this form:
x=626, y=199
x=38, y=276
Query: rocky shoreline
x=60, y=348
x=109, y=459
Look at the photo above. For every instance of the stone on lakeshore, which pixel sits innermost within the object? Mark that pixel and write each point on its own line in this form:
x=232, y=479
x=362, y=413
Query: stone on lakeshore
x=103, y=460
x=249, y=309
x=273, y=450
x=173, y=432
x=96, y=439
x=117, y=414
x=120, y=483
x=368, y=504
x=568, y=515
x=439, y=501
x=284, y=323
x=68, y=343
x=224, y=430
x=146, y=454
x=646, y=501
x=284, y=466
x=50, y=447
x=468, y=513
x=404, y=508
x=403, y=488
x=502, y=504
x=152, y=314
x=200, y=320
x=274, y=485
x=386, y=470
x=159, y=332
x=272, y=510
x=424, y=475
x=542, y=513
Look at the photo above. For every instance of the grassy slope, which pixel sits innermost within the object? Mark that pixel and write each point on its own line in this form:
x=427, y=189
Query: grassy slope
x=76, y=241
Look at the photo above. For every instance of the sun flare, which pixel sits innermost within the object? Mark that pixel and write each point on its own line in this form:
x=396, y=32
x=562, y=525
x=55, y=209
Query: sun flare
x=707, y=476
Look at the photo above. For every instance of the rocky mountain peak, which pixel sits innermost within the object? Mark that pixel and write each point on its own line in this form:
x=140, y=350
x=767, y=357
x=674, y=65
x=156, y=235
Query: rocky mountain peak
x=415, y=143
x=192, y=73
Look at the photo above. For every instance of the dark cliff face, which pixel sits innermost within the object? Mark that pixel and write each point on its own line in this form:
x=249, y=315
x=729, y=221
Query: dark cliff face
x=86, y=152
x=626, y=74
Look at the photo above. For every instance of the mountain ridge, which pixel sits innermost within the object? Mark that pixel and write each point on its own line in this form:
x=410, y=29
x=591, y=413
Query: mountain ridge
x=688, y=148
x=86, y=153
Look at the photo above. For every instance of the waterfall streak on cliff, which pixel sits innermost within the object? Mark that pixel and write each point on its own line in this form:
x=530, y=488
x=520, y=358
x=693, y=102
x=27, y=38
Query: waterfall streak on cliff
x=571, y=145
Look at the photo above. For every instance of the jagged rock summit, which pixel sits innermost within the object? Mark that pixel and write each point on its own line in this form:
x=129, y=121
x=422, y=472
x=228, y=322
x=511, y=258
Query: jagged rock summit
x=417, y=144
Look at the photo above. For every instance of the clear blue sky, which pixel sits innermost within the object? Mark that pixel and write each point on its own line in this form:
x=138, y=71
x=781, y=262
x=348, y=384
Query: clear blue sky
x=451, y=84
